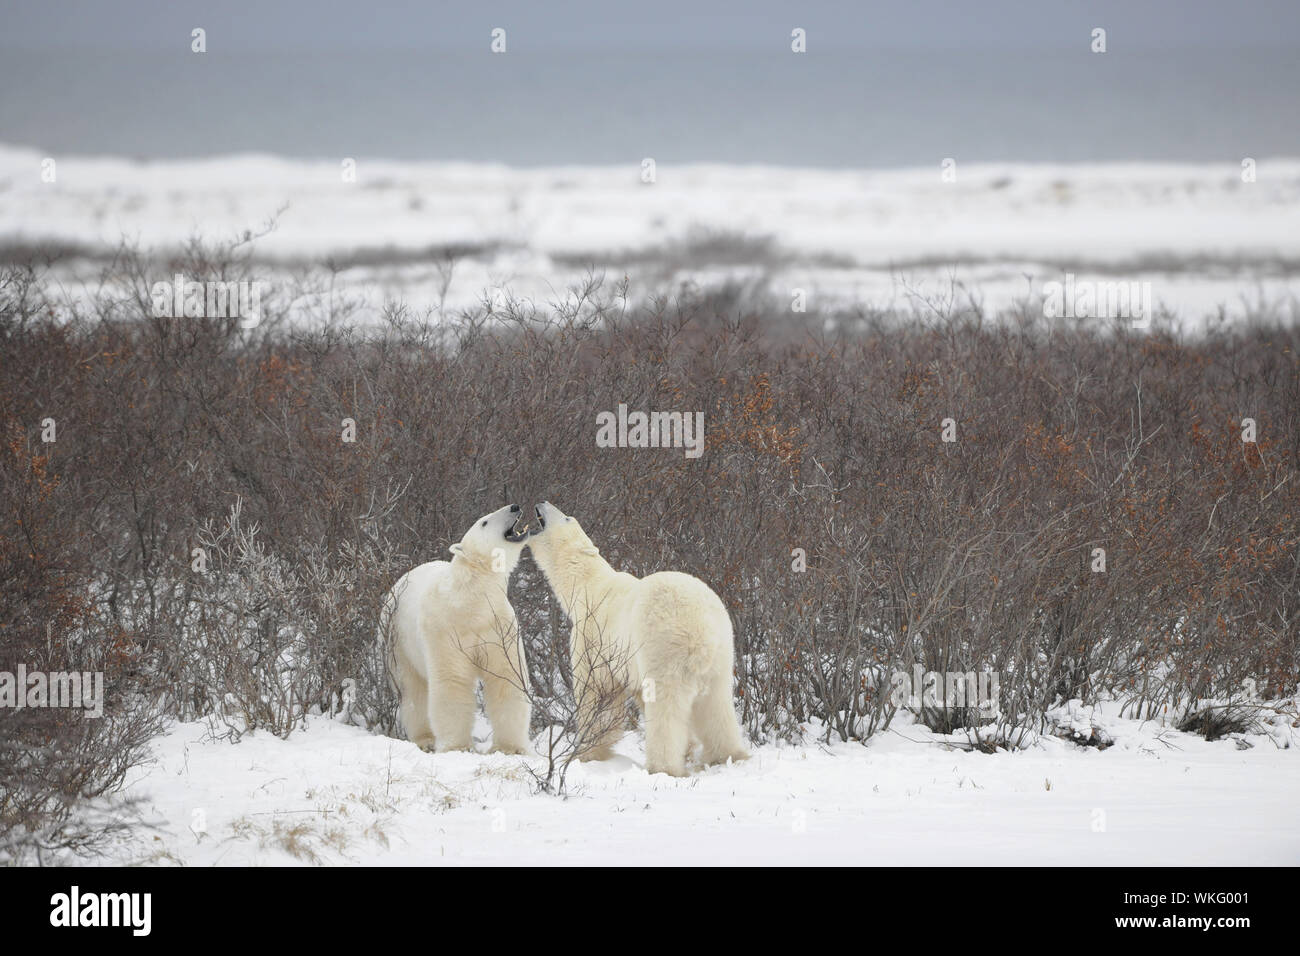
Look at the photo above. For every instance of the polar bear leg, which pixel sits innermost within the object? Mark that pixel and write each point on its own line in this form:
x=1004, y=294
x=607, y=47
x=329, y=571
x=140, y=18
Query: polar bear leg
x=451, y=713
x=601, y=716
x=415, y=714
x=508, y=710
x=713, y=721
x=413, y=711
x=667, y=733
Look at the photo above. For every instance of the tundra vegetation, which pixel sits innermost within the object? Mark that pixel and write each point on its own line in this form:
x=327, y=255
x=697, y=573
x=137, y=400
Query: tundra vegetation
x=207, y=529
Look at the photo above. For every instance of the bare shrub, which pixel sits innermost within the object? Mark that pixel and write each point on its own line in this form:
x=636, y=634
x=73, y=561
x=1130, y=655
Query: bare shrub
x=572, y=719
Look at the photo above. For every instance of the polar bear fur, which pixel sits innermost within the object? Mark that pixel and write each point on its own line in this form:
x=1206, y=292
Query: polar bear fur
x=451, y=626
x=665, y=639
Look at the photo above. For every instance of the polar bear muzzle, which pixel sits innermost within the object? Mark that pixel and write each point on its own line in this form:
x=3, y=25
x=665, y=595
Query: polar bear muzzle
x=541, y=512
x=518, y=531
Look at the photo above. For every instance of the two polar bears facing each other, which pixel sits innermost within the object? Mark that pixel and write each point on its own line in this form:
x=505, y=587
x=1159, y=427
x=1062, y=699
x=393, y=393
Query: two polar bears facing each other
x=665, y=640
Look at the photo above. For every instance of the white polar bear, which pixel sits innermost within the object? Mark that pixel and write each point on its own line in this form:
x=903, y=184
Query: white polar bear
x=452, y=625
x=665, y=639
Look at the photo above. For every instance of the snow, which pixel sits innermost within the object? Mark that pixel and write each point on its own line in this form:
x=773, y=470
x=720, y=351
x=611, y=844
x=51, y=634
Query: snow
x=333, y=793
x=871, y=237
x=1098, y=211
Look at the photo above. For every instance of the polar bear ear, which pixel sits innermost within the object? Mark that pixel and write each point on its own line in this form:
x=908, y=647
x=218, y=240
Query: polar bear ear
x=591, y=549
x=456, y=548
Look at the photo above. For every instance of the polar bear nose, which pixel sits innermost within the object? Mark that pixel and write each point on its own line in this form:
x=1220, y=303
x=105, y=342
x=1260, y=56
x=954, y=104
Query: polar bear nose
x=514, y=509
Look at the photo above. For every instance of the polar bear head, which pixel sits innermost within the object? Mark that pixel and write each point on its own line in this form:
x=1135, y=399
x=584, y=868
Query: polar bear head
x=495, y=541
x=557, y=540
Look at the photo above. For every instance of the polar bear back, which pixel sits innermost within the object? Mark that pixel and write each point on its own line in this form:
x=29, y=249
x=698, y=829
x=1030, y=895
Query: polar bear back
x=433, y=605
x=678, y=628
x=406, y=600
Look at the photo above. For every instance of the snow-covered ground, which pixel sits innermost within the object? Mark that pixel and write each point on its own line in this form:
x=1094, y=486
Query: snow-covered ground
x=871, y=238
x=336, y=794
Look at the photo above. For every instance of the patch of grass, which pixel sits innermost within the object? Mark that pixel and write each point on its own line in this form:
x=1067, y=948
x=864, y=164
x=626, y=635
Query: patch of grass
x=304, y=839
x=1215, y=721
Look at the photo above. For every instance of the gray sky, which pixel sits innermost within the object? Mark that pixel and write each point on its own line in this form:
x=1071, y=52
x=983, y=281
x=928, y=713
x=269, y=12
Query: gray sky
x=262, y=25
x=884, y=82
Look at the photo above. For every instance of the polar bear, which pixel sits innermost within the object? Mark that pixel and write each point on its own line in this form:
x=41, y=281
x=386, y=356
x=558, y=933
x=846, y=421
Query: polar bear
x=451, y=625
x=665, y=639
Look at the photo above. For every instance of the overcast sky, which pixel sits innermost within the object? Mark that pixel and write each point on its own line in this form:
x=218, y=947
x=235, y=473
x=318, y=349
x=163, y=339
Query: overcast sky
x=613, y=24
x=900, y=81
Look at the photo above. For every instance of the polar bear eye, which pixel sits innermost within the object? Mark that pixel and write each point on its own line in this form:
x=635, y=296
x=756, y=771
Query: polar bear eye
x=483, y=525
